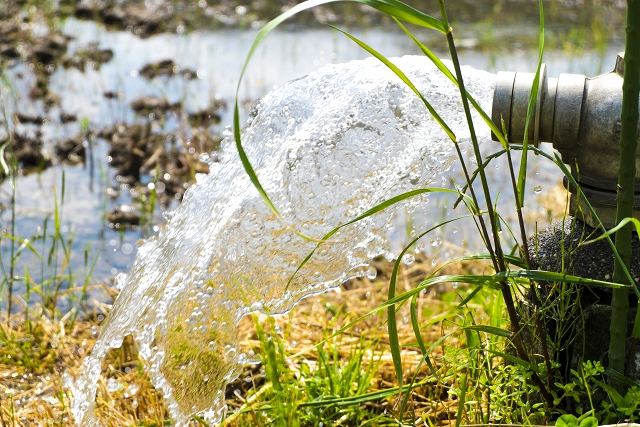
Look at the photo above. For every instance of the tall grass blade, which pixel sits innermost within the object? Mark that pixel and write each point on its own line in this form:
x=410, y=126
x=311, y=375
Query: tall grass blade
x=625, y=191
x=552, y=276
x=377, y=208
x=461, y=400
x=405, y=80
x=416, y=331
x=392, y=328
x=531, y=110
x=447, y=73
x=493, y=330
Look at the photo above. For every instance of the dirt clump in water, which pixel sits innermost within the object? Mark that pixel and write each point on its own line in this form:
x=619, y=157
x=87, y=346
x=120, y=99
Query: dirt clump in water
x=92, y=55
x=140, y=155
x=207, y=116
x=26, y=151
x=155, y=105
x=166, y=68
x=71, y=150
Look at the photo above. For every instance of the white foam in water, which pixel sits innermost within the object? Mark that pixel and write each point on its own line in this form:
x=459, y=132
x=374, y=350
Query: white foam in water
x=326, y=148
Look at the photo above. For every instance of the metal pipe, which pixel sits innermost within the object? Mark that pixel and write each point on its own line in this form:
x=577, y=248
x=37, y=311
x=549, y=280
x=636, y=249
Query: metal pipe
x=580, y=116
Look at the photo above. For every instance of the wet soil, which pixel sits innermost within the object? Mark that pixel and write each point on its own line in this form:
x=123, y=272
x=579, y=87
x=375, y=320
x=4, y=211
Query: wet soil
x=166, y=68
x=140, y=156
x=25, y=152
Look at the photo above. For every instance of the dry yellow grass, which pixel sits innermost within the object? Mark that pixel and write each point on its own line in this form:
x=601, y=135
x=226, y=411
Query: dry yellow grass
x=33, y=361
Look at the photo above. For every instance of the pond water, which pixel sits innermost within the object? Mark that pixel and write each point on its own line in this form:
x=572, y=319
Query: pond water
x=215, y=57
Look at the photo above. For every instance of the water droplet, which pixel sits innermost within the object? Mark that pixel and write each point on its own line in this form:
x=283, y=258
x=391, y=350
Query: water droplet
x=372, y=272
x=408, y=259
x=113, y=385
x=131, y=390
x=537, y=189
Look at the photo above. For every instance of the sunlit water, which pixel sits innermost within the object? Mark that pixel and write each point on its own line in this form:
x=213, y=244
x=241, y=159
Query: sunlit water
x=326, y=147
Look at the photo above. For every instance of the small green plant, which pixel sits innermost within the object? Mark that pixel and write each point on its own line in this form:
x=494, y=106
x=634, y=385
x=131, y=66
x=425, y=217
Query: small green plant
x=328, y=389
x=50, y=249
x=569, y=420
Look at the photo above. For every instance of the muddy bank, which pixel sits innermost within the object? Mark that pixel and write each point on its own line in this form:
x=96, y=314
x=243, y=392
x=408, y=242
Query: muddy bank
x=146, y=18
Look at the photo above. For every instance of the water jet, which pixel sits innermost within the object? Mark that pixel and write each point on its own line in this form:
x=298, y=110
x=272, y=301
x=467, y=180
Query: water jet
x=327, y=147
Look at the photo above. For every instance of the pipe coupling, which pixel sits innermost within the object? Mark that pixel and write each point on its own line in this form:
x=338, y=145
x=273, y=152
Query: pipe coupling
x=580, y=116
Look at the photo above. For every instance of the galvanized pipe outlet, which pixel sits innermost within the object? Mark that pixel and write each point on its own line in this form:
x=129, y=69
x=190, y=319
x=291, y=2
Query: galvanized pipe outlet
x=580, y=116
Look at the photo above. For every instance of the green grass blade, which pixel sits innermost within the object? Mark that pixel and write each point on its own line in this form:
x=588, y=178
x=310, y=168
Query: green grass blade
x=24, y=243
x=475, y=173
x=613, y=230
x=493, y=330
x=469, y=297
x=362, y=398
x=404, y=79
x=392, y=329
x=522, y=173
x=461, y=400
x=551, y=276
x=510, y=259
x=445, y=70
x=377, y=208
x=3, y=163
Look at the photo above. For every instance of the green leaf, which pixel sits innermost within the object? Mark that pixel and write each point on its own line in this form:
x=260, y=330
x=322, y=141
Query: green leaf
x=567, y=420
x=589, y=422
x=493, y=330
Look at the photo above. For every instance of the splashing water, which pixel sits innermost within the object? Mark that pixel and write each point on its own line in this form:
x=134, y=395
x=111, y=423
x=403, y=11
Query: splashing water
x=326, y=148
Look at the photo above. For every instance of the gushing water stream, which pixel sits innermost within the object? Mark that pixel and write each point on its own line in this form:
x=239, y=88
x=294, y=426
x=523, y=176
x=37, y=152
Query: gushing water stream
x=326, y=147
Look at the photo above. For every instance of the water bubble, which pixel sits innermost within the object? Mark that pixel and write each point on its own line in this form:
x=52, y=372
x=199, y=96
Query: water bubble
x=537, y=189
x=113, y=385
x=408, y=259
x=131, y=390
x=372, y=272
x=127, y=248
